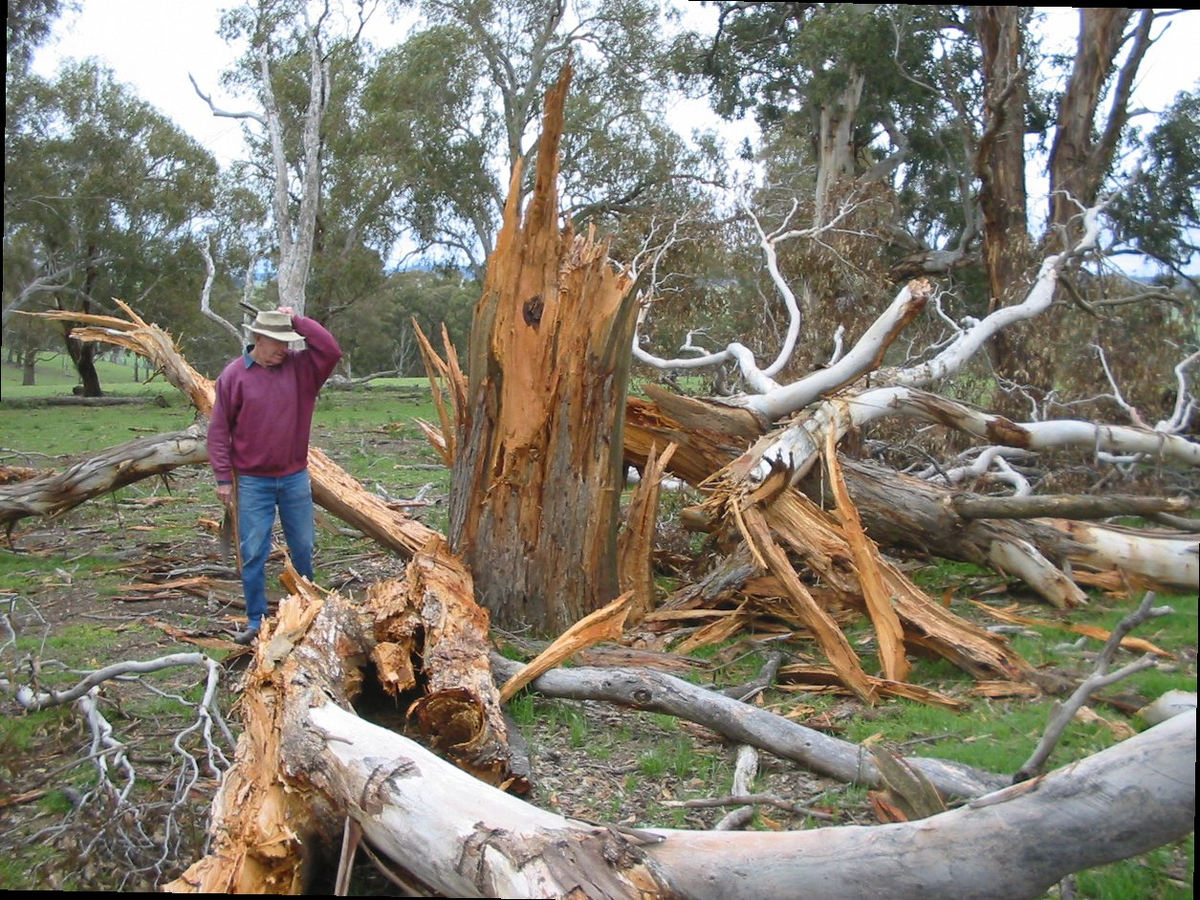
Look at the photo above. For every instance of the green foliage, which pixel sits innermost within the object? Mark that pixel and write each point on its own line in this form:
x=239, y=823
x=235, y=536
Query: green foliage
x=378, y=335
x=1155, y=876
x=1160, y=211
x=101, y=192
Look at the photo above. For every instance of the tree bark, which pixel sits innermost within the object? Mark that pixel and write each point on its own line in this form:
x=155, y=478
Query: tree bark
x=464, y=839
x=1078, y=161
x=53, y=493
x=1000, y=160
x=28, y=367
x=534, y=505
x=743, y=723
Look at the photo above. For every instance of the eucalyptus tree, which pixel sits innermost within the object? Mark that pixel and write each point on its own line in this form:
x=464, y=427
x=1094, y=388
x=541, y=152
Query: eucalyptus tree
x=101, y=195
x=915, y=125
x=457, y=102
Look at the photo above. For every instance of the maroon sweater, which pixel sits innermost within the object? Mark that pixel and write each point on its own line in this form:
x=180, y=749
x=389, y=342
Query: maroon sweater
x=263, y=414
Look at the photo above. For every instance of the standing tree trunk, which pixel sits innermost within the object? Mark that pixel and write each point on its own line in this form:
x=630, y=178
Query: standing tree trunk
x=1084, y=143
x=1000, y=161
x=535, y=501
x=28, y=367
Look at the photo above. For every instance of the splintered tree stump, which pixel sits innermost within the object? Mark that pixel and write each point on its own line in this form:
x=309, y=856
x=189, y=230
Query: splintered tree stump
x=534, y=507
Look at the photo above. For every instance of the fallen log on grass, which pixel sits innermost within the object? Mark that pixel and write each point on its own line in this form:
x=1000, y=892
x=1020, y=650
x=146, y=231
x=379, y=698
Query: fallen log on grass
x=464, y=839
x=658, y=692
x=53, y=493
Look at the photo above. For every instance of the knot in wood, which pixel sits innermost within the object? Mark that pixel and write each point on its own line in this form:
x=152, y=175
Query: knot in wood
x=532, y=309
x=642, y=697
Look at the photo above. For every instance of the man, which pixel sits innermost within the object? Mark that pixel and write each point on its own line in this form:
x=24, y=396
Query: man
x=258, y=444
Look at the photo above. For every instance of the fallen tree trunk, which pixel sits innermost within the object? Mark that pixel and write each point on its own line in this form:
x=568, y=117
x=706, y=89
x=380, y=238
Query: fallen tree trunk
x=304, y=762
x=908, y=512
x=52, y=493
x=741, y=722
x=1067, y=506
x=1009, y=845
x=463, y=839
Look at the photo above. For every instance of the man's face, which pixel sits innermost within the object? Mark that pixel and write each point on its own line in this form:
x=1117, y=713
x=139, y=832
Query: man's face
x=268, y=351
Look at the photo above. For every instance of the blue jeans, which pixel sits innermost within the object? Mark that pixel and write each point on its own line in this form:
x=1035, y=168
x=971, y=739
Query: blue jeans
x=257, y=499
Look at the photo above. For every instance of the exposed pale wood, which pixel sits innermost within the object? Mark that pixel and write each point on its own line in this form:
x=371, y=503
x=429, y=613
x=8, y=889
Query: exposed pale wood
x=802, y=677
x=1169, y=559
x=811, y=534
x=605, y=624
x=635, y=545
x=429, y=621
x=263, y=827
x=53, y=493
x=831, y=639
x=868, y=566
x=274, y=815
x=1133, y=644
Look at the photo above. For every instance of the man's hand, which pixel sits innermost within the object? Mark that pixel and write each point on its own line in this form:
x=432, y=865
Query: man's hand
x=286, y=310
x=225, y=494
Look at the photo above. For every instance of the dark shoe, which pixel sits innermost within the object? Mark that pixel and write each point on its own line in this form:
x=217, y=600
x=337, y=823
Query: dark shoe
x=245, y=638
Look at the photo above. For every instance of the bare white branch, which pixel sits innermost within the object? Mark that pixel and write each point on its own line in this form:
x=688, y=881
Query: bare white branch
x=210, y=269
x=1185, y=400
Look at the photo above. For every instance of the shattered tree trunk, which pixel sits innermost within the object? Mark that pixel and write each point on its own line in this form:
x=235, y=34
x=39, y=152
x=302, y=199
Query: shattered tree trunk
x=534, y=506
x=276, y=816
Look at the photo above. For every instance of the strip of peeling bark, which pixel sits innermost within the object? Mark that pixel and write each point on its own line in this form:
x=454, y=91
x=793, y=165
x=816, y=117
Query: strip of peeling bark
x=868, y=566
x=635, y=545
x=772, y=558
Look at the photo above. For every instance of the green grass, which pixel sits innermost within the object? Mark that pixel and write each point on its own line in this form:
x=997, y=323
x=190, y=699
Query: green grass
x=40, y=434
x=1156, y=875
x=22, y=873
x=55, y=376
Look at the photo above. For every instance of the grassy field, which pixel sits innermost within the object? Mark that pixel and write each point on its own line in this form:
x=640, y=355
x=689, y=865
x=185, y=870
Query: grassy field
x=66, y=586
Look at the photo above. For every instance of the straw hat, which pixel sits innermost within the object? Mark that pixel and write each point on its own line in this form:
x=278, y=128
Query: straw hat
x=274, y=325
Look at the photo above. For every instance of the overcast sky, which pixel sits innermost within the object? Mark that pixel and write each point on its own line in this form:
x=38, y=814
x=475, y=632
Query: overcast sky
x=154, y=44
